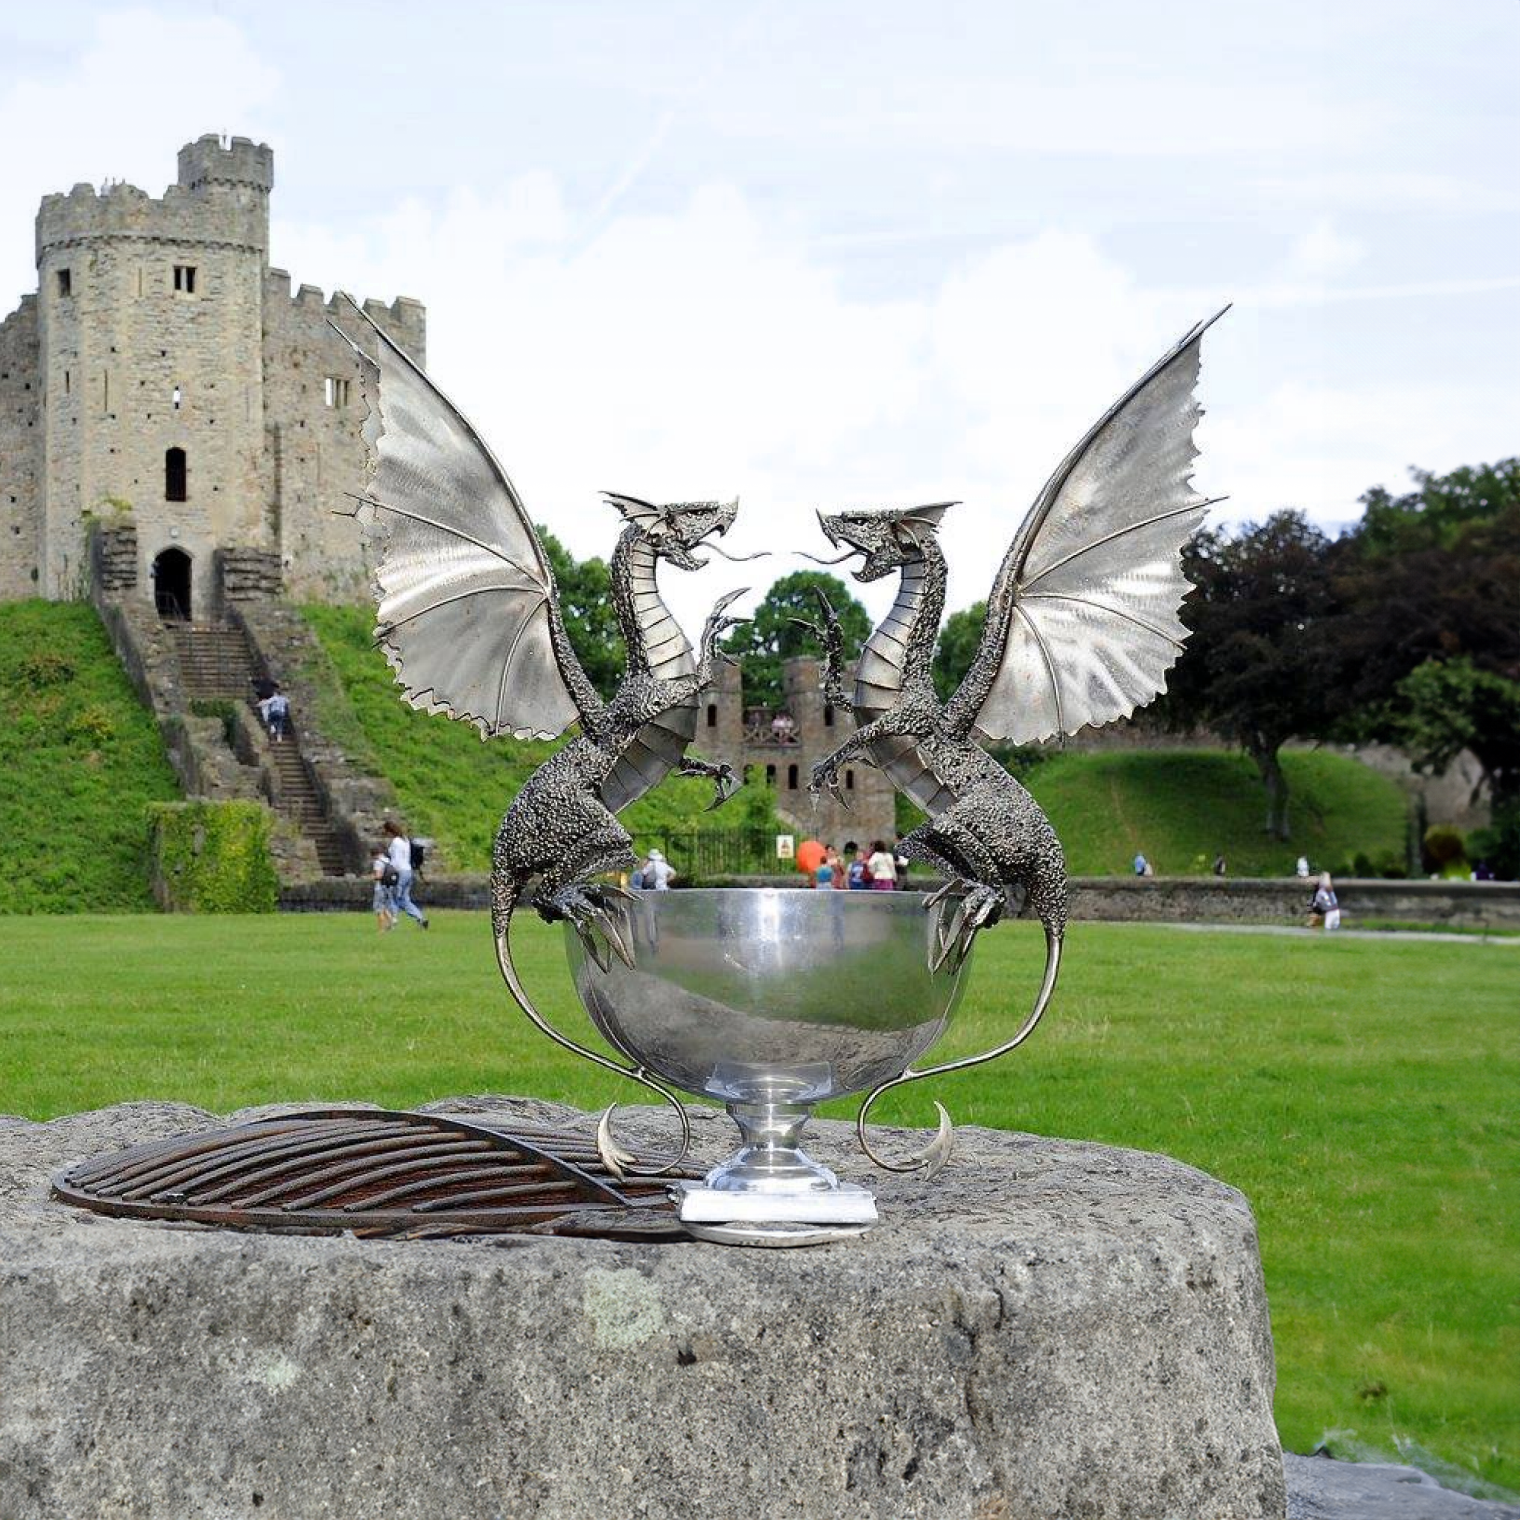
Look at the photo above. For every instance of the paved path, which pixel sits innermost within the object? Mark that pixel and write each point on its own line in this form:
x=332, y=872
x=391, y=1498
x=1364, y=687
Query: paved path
x=1393, y=936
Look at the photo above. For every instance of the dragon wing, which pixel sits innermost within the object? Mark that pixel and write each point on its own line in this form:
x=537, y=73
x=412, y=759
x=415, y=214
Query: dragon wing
x=466, y=596
x=1082, y=623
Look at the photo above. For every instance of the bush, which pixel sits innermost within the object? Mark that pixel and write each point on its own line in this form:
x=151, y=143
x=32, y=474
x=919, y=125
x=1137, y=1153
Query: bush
x=1499, y=843
x=1387, y=864
x=44, y=668
x=212, y=857
x=1444, y=848
x=91, y=727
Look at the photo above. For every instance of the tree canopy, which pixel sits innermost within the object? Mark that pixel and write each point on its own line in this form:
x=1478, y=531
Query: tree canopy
x=772, y=637
x=1261, y=666
x=956, y=648
x=585, y=593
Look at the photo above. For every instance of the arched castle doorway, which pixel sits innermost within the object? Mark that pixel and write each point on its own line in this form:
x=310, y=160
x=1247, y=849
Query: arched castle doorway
x=171, y=584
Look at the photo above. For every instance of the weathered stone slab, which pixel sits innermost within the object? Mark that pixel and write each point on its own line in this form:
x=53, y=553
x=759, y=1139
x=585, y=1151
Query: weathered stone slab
x=1051, y=1329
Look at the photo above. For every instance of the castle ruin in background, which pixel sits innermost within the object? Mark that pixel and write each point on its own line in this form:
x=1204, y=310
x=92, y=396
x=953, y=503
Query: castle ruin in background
x=163, y=375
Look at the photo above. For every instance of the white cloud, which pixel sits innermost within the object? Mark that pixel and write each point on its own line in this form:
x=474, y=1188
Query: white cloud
x=703, y=352
x=1319, y=447
x=120, y=110
x=1321, y=253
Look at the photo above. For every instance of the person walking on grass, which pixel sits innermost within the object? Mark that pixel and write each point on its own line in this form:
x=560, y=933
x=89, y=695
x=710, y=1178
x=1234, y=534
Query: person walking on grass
x=399, y=853
x=1325, y=909
x=384, y=899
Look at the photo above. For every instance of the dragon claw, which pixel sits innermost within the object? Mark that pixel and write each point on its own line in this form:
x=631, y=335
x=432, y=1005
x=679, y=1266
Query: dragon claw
x=595, y=913
x=978, y=906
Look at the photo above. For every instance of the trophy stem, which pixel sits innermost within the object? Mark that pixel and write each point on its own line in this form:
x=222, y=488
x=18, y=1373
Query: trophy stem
x=770, y=1159
x=770, y=1180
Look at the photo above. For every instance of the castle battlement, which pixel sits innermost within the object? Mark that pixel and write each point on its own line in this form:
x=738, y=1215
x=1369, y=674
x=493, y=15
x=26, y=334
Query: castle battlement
x=240, y=162
x=405, y=319
x=185, y=213
x=163, y=364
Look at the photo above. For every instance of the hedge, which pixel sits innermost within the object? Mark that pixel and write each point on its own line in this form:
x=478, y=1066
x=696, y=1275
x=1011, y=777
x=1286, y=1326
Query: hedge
x=212, y=857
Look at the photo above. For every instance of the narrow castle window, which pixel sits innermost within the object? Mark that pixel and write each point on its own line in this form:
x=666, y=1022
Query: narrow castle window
x=176, y=395
x=184, y=279
x=712, y=715
x=849, y=781
x=828, y=715
x=66, y=382
x=175, y=476
x=770, y=775
x=335, y=391
x=791, y=778
x=65, y=282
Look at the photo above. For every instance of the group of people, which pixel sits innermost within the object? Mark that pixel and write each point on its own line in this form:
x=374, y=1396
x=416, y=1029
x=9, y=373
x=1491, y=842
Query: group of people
x=397, y=860
x=857, y=869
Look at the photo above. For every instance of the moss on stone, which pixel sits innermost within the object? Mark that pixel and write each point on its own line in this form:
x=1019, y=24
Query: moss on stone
x=212, y=857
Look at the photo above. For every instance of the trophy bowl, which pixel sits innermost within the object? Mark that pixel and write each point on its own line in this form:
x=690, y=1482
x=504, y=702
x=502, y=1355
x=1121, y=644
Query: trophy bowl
x=772, y=1002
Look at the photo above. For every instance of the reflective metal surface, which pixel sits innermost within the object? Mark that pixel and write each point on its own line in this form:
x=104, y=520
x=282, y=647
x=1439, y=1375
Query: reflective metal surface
x=772, y=1002
x=772, y=996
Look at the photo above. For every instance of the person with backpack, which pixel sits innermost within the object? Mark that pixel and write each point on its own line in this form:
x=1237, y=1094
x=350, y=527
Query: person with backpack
x=384, y=897
x=400, y=853
x=1324, y=906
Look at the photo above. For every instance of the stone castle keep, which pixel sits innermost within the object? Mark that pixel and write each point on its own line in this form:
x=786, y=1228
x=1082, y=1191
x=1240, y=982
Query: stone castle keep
x=179, y=435
x=163, y=370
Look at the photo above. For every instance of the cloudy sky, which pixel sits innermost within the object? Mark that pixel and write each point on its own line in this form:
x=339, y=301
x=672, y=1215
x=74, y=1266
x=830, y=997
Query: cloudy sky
x=818, y=253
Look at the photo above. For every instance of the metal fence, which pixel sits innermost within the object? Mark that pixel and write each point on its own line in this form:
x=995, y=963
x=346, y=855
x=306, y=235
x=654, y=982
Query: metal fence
x=698, y=854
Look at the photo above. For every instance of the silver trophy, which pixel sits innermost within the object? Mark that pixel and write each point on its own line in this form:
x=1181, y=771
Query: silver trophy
x=772, y=1002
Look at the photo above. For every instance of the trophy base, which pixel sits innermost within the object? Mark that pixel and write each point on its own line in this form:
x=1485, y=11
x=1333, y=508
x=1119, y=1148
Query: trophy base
x=844, y=1204
x=775, y=1236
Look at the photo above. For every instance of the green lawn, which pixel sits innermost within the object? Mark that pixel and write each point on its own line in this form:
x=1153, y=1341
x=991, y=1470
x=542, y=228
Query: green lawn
x=1181, y=808
x=1361, y=1093
x=80, y=757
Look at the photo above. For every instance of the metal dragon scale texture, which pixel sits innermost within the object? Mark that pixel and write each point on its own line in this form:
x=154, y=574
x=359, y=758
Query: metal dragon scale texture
x=1082, y=626
x=469, y=619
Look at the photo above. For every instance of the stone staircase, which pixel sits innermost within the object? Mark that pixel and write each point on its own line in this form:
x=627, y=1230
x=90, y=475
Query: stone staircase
x=216, y=665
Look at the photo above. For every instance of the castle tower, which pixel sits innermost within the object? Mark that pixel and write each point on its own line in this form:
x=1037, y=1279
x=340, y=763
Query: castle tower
x=151, y=368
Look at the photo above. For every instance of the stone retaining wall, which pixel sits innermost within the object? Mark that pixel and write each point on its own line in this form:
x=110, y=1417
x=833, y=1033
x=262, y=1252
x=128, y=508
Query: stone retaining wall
x=1456, y=904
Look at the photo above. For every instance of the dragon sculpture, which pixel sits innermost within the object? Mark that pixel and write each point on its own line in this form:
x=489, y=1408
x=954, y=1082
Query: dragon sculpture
x=469, y=619
x=1082, y=626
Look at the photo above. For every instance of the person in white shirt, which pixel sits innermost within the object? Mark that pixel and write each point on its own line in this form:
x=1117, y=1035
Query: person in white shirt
x=658, y=873
x=882, y=868
x=399, y=852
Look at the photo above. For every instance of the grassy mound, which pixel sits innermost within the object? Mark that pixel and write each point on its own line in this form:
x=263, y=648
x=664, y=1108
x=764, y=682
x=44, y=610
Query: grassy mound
x=452, y=786
x=1182, y=808
x=81, y=759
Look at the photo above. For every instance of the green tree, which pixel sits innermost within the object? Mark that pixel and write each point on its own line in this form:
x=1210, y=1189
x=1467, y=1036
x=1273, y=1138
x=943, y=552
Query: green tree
x=1262, y=664
x=1431, y=642
x=585, y=593
x=1434, y=575
x=772, y=636
x=956, y=648
x=1447, y=706
x=1439, y=510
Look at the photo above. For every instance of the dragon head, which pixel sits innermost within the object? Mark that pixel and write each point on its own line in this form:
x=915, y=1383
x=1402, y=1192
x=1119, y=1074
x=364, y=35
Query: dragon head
x=678, y=527
x=888, y=537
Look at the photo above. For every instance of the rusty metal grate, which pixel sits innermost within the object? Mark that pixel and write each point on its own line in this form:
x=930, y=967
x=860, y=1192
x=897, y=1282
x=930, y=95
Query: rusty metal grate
x=375, y=1173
